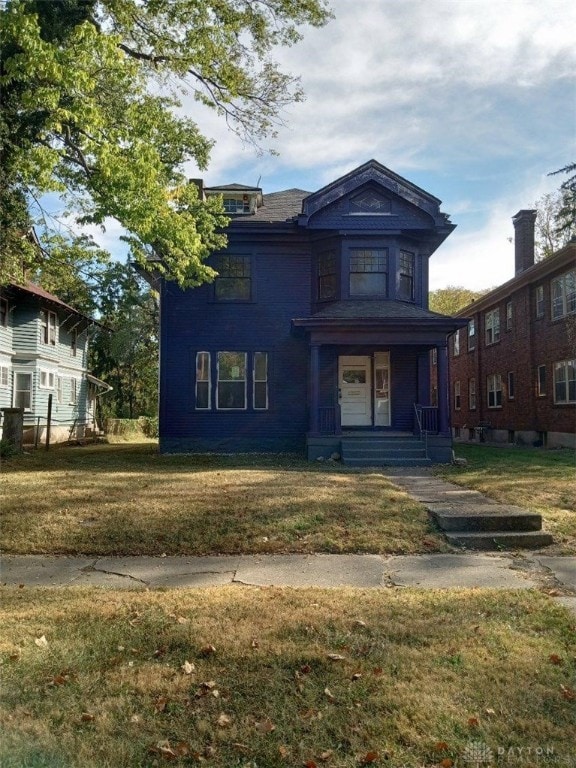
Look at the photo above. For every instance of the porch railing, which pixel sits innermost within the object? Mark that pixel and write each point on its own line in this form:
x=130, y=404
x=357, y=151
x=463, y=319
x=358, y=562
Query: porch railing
x=426, y=418
x=329, y=420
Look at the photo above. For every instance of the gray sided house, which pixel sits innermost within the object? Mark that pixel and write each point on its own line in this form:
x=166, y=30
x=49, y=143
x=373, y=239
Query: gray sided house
x=315, y=336
x=43, y=352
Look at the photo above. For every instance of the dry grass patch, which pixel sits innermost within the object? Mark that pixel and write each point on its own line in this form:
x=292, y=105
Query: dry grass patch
x=541, y=480
x=283, y=677
x=127, y=499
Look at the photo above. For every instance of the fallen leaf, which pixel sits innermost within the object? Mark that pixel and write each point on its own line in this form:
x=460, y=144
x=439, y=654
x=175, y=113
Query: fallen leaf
x=305, y=669
x=255, y=644
x=187, y=668
x=473, y=722
x=224, y=720
x=161, y=703
x=356, y=676
x=86, y=717
x=555, y=659
x=378, y=671
x=441, y=746
x=135, y=719
x=370, y=757
x=284, y=751
x=310, y=764
x=336, y=657
x=41, y=642
x=207, y=650
x=490, y=711
x=446, y=763
x=182, y=620
x=160, y=651
x=359, y=623
x=265, y=726
x=568, y=693
x=325, y=756
x=15, y=656
x=329, y=695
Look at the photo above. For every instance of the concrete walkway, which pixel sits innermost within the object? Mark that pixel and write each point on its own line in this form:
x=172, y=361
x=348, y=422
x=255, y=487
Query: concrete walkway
x=504, y=570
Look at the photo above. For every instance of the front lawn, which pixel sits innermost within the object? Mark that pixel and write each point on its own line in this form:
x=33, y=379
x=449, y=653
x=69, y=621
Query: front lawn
x=540, y=480
x=127, y=499
x=283, y=678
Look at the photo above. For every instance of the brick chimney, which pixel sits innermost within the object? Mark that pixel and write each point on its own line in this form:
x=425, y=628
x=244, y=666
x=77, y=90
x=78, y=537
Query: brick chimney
x=524, y=222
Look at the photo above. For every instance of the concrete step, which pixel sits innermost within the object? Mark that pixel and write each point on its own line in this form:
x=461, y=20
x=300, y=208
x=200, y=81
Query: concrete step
x=368, y=453
x=484, y=518
x=500, y=540
x=389, y=461
x=382, y=443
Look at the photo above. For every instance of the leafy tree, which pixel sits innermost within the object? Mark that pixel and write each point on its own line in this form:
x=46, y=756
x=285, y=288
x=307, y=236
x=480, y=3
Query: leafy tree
x=453, y=298
x=565, y=216
x=90, y=96
x=124, y=348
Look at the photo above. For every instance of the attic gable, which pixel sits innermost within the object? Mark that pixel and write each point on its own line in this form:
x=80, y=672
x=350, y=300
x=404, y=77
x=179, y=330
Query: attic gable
x=369, y=190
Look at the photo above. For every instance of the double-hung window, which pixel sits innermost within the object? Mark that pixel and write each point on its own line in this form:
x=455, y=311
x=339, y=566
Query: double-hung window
x=508, y=315
x=203, y=388
x=565, y=381
x=541, y=383
x=23, y=391
x=59, y=390
x=563, y=290
x=368, y=272
x=539, y=301
x=492, y=326
x=73, y=391
x=260, y=381
x=456, y=343
x=234, y=280
x=231, y=389
x=494, y=385
x=511, y=386
x=48, y=323
x=327, y=283
x=472, y=394
x=406, y=276
x=471, y=335
x=457, y=397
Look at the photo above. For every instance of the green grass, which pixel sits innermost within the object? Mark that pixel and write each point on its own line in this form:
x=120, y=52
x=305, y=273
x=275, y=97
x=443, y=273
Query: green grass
x=127, y=499
x=417, y=677
x=540, y=480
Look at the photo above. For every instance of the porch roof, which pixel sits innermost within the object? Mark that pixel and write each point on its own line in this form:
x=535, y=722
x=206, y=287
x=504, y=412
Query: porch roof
x=350, y=314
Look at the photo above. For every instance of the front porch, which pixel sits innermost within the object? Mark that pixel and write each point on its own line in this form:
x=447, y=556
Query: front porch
x=377, y=447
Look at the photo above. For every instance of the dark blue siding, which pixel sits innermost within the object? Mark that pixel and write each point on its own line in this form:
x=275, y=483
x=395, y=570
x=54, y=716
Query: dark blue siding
x=193, y=322
x=404, y=386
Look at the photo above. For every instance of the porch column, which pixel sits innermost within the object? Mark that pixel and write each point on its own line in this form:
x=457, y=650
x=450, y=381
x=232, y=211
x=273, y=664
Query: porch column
x=443, y=391
x=314, y=388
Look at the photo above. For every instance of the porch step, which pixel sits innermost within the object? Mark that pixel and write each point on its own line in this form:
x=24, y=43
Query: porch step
x=497, y=540
x=383, y=451
x=489, y=526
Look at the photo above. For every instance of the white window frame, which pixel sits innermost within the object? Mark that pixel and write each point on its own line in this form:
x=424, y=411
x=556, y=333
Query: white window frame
x=457, y=396
x=511, y=385
x=207, y=380
x=49, y=326
x=471, y=335
x=74, y=391
x=5, y=376
x=541, y=385
x=17, y=391
x=456, y=346
x=509, y=315
x=472, y=394
x=563, y=295
x=492, y=326
x=494, y=390
x=540, y=310
x=567, y=367
x=259, y=381
x=46, y=379
x=59, y=390
x=236, y=380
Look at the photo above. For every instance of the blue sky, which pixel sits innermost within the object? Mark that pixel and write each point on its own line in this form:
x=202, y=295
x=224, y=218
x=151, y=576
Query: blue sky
x=473, y=100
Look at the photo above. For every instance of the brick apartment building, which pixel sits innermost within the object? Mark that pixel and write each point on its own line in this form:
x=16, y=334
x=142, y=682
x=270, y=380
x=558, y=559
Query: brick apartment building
x=513, y=369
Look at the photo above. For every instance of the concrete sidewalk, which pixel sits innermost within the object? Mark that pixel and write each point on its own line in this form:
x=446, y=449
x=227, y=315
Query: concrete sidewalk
x=504, y=570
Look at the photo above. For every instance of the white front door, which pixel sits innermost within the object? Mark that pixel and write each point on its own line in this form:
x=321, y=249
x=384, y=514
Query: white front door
x=355, y=391
x=382, y=389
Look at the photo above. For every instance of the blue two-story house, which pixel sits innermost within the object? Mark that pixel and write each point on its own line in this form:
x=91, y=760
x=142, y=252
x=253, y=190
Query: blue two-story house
x=315, y=335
